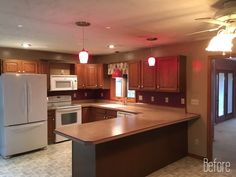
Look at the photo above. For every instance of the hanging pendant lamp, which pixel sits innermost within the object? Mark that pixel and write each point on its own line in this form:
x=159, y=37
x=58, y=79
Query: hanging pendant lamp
x=83, y=54
x=151, y=59
x=116, y=73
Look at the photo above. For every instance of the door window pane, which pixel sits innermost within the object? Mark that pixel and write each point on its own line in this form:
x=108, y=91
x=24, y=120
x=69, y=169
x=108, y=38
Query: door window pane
x=230, y=93
x=221, y=94
x=118, y=87
x=130, y=93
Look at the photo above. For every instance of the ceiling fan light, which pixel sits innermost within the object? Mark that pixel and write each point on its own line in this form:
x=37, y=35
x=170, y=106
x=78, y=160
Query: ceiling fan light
x=221, y=43
x=151, y=61
x=83, y=56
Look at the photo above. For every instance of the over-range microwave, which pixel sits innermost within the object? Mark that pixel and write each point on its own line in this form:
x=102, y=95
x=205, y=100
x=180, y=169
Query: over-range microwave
x=63, y=82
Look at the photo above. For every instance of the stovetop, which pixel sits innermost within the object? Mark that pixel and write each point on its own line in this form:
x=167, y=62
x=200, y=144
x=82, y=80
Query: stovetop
x=61, y=102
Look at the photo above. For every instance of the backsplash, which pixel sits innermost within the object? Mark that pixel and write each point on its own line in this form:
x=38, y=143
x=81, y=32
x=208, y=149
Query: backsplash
x=163, y=99
x=84, y=94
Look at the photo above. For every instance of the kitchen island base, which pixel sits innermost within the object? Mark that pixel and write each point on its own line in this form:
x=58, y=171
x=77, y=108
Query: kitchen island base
x=136, y=155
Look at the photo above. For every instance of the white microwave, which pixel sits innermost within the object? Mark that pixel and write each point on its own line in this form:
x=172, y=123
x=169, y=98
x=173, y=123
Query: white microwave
x=63, y=82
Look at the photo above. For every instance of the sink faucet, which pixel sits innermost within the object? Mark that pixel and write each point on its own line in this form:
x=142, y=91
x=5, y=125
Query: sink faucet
x=124, y=101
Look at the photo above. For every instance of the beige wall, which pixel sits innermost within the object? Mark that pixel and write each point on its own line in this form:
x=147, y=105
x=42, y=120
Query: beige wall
x=197, y=59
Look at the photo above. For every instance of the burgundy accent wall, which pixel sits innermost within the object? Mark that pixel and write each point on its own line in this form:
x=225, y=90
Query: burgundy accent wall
x=84, y=94
x=159, y=98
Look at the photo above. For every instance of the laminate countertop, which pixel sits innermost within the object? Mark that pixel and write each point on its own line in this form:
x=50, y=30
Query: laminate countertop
x=147, y=117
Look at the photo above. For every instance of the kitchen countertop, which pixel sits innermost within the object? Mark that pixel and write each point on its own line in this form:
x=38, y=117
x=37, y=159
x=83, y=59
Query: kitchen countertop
x=148, y=117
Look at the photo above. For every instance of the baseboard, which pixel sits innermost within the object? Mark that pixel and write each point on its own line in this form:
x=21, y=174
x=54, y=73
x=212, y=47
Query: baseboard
x=196, y=156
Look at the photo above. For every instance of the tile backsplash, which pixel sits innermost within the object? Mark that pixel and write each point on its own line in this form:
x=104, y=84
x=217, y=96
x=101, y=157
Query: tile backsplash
x=84, y=94
x=163, y=99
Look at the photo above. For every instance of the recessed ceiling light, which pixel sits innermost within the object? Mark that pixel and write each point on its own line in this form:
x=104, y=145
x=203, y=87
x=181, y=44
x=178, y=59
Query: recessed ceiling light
x=108, y=27
x=19, y=26
x=26, y=45
x=111, y=46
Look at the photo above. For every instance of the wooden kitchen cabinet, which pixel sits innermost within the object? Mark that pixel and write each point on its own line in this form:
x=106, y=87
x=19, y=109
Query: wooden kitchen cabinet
x=91, y=114
x=171, y=74
x=81, y=75
x=91, y=76
x=134, y=75
x=51, y=126
x=20, y=66
x=43, y=68
x=148, y=76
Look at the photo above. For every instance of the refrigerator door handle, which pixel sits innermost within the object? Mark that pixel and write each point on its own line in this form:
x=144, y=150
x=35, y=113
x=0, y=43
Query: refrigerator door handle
x=29, y=97
x=26, y=100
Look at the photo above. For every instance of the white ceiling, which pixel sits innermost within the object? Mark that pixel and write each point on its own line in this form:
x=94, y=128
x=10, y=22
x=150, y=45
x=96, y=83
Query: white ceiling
x=50, y=24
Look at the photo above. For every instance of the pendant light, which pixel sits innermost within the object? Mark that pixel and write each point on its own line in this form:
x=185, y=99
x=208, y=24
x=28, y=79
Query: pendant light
x=116, y=73
x=83, y=54
x=151, y=59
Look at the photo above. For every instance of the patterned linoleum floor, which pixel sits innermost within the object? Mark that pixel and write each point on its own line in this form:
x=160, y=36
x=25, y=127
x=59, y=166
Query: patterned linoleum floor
x=56, y=162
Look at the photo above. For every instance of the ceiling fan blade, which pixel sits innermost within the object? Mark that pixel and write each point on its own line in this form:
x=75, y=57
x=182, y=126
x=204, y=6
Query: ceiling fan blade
x=204, y=31
x=213, y=21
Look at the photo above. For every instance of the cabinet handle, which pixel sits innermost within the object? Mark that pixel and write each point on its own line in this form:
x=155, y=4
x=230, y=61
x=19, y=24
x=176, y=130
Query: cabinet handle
x=23, y=71
x=100, y=85
x=142, y=86
x=96, y=85
x=158, y=86
x=19, y=71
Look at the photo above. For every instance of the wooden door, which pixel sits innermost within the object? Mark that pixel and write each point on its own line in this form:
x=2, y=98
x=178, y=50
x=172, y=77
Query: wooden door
x=224, y=95
x=81, y=75
x=148, y=76
x=29, y=66
x=13, y=66
x=168, y=74
x=134, y=75
x=100, y=75
x=91, y=76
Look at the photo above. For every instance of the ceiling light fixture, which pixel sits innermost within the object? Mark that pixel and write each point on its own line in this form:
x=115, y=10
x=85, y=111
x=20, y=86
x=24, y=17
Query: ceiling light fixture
x=26, y=45
x=108, y=27
x=223, y=41
x=111, y=46
x=83, y=54
x=19, y=26
x=151, y=59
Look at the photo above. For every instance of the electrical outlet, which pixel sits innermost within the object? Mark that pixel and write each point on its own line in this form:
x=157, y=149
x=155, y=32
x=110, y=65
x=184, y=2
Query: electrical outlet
x=85, y=94
x=140, y=97
x=166, y=99
x=194, y=102
x=74, y=95
x=152, y=98
x=182, y=101
x=101, y=94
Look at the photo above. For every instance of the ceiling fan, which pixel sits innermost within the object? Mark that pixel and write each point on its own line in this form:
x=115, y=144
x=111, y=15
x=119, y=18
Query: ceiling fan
x=225, y=17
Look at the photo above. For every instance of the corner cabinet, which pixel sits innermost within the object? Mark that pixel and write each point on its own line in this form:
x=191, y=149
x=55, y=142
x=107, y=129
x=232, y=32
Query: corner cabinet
x=171, y=74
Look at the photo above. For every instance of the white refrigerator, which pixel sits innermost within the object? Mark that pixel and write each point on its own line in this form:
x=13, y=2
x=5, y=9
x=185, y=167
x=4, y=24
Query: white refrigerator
x=23, y=113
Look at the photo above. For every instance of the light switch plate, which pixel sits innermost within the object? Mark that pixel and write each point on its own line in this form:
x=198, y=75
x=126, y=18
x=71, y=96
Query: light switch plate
x=74, y=95
x=140, y=97
x=152, y=98
x=182, y=101
x=102, y=94
x=194, y=102
x=166, y=99
x=85, y=94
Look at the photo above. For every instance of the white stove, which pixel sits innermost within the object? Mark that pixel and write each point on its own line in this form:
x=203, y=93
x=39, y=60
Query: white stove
x=66, y=113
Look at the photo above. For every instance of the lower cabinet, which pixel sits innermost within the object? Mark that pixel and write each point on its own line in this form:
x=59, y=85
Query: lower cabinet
x=91, y=114
x=51, y=126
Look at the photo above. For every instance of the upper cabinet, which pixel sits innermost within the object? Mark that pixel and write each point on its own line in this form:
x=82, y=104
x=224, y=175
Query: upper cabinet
x=92, y=76
x=169, y=74
x=134, y=75
x=20, y=66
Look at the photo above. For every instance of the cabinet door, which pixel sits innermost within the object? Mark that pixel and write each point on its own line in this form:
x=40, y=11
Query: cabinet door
x=100, y=76
x=51, y=126
x=13, y=66
x=148, y=76
x=91, y=76
x=86, y=114
x=168, y=74
x=98, y=114
x=81, y=75
x=111, y=114
x=29, y=66
x=134, y=75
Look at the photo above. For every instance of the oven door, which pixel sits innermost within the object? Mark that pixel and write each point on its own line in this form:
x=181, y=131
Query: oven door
x=67, y=116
